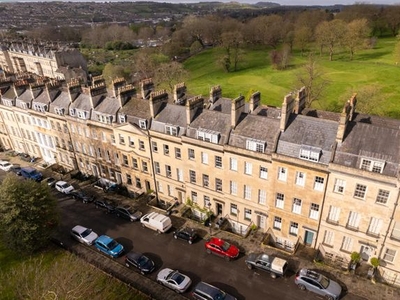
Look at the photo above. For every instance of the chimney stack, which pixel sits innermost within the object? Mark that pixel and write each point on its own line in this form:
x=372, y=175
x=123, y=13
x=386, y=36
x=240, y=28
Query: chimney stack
x=157, y=99
x=125, y=93
x=215, y=93
x=180, y=93
x=74, y=89
x=255, y=100
x=146, y=87
x=97, y=90
x=238, y=107
x=117, y=84
x=193, y=106
x=288, y=106
x=345, y=117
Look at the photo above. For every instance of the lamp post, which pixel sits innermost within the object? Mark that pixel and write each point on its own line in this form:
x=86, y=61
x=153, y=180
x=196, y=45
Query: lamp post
x=209, y=216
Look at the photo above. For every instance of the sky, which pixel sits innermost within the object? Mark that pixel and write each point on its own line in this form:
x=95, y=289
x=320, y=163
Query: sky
x=281, y=2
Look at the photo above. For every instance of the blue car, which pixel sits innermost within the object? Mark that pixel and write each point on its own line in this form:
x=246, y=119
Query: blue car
x=108, y=246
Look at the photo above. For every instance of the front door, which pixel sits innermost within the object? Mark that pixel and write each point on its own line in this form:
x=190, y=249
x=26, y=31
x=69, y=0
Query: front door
x=261, y=222
x=308, y=238
x=147, y=183
x=219, y=209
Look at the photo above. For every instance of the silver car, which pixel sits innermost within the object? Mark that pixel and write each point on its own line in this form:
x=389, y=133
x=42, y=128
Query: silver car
x=315, y=282
x=174, y=280
x=84, y=235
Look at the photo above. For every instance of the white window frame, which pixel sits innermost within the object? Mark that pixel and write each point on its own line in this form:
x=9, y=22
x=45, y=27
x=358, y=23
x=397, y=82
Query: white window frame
x=178, y=154
x=334, y=214
x=280, y=200
x=143, y=124
x=282, y=173
x=263, y=172
x=390, y=255
x=329, y=238
x=314, y=211
x=247, y=214
x=233, y=209
x=319, y=183
x=296, y=207
x=300, y=178
x=255, y=145
x=339, y=186
x=204, y=158
x=262, y=197
x=233, y=187
x=179, y=174
x=372, y=165
x=277, y=223
x=354, y=220
x=171, y=130
x=382, y=197
x=309, y=153
x=192, y=176
x=248, y=168
x=233, y=165
x=396, y=230
x=218, y=161
x=157, y=168
x=294, y=228
x=191, y=154
x=347, y=244
x=360, y=191
x=375, y=226
x=206, y=180
x=247, y=192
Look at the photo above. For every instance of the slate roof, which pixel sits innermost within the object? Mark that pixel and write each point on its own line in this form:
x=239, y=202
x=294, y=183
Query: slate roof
x=223, y=105
x=303, y=131
x=9, y=94
x=171, y=114
x=83, y=102
x=109, y=106
x=371, y=137
x=262, y=124
x=137, y=107
x=61, y=101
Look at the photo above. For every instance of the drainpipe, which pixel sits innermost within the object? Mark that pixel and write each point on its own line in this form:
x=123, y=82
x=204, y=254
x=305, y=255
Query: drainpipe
x=322, y=210
x=152, y=165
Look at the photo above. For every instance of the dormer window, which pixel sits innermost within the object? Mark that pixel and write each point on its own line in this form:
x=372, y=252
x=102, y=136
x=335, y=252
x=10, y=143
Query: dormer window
x=72, y=112
x=143, y=124
x=208, y=135
x=310, y=153
x=25, y=105
x=7, y=102
x=171, y=130
x=81, y=114
x=255, y=145
x=122, y=118
x=59, y=111
x=40, y=107
x=107, y=119
x=372, y=165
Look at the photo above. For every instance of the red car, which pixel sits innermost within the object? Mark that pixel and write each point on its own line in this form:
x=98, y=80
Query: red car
x=222, y=248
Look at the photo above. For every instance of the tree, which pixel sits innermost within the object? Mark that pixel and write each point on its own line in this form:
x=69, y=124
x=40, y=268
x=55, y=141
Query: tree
x=396, y=53
x=28, y=214
x=392, y=18
x=302, y=37
x=330, y=34
x=169, y=74
x=231, y=42
x=356, y=34
x=311, y=78
x=369, y=99
x=111, y=72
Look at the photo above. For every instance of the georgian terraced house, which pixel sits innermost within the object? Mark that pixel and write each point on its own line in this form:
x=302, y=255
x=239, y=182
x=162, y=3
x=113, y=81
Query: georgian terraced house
x=326, y=180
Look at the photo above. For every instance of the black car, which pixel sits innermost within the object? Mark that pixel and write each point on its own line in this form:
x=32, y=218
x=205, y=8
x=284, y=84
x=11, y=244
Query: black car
x=51, y=182
x=82, y=196
x=126, y=212
x=16, y=169
x=137, y=260
x=106, y=204
x=186, y=233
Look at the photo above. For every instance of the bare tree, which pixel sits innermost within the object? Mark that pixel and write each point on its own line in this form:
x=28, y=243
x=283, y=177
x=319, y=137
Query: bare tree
x=231, y=42
x=392, y=18
x=369, y=99
x=330, y=34
x=169, y=74
x=356, y=35
x=312, y=79
x=302, y=37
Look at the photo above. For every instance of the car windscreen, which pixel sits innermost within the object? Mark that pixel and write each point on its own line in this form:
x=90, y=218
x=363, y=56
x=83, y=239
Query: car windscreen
x=112, y=244
x=86, y=232
x=324, y=282
x=177, y=277
x=226, y=246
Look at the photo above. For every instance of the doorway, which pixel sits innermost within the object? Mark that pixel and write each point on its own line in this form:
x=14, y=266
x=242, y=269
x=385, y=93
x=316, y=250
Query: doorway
x=308, y=238
x=261, y=221
x=147, y=184
x=219, y=209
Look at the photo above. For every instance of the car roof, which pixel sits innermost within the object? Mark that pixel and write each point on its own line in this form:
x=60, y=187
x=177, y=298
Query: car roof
x=217, y=241
x=105, y=239
x=134, y=255
x=207, y=288
x=61, y=182
x=79, y=228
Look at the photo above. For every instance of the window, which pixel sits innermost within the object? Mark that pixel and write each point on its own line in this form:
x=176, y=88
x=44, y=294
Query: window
x=310, y=153
x=168, y=171
x=135, y=163
x=375, y=226
x=121, y=139
x=142, y=124
x=166, y=149
x=300, y=178
x=314, y=211
x=157, y=167
x=111, y=136
x=339, y=186
x=346, y=244
x=328, y=238
x=248, y=168
x=192, y=176
x=262, y=197
x=263, y=172
x=171, y=130
x=233, y=188
x=234, y=210
x=247, y=214
x=131, y=142
x=144, y=167
x=296, y=206
x=247, y=192
x=334, y=213
x=207, y=202
x=160, y=188
x=122, y=118
x=169, y=190
x=208, y=136
x=255, y=145
x=194, y=197
x=382, y=197
x=280, y=200
x=128, y=179
x=218, y=185
x=218, y=161
x=294, y=228
x=191, y=154
x=278, y=223
x=179, y=174
x=81, y=114
x=141, y=145
x=178, y=154
x=204, y=158
x=282, y=174
x=389, y=255
x=360, y=191
x=154, y=146
x=373, y=166
x=353, y=221
x=206, y=180
x=396, y=231
x=233, y=164
x=125, y=159
x=319, y=183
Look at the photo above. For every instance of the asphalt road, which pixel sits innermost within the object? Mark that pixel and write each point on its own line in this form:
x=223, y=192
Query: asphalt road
x=192, y=260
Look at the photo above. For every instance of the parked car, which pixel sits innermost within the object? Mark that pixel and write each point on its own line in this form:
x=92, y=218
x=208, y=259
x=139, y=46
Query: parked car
x=139, y=261
x=128, y=213
x=106, y=204
x=16, y=169
x=222, y=248
x=174, y=280
x=26, y=157
x=84, y=235
x=64, y=187
x=186, y=233
x=108, y=246
x=276, y=266
x=206, y=291
x=81, y=196
x=315, y=282
x=157, y=222
x=31, y=173
x=5, y=165
x=50, y=181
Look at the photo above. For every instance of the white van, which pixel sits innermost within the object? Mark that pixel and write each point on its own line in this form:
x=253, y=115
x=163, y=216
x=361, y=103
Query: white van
x=156, y=221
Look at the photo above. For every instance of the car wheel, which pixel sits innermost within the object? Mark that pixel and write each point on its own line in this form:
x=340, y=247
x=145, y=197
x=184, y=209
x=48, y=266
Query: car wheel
x=208, y=251
x=126, y=264
x=175, y=237
x=302, y=287
x=273, y=275
x=329, y=297
x=249, y=266
x=190, y=242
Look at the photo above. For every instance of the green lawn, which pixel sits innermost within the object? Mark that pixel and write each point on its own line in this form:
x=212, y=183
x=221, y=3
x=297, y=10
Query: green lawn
x=369, y=67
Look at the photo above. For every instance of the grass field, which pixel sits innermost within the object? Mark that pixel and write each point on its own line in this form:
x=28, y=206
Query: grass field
x=369, y=67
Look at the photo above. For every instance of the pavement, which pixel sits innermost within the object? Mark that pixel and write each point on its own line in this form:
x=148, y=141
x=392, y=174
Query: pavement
x=355, y=284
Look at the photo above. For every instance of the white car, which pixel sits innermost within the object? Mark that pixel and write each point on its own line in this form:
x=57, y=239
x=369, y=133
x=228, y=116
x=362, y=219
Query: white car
x=5, y=165
x=64, y=187
x=84, y=235
x=174, y=280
